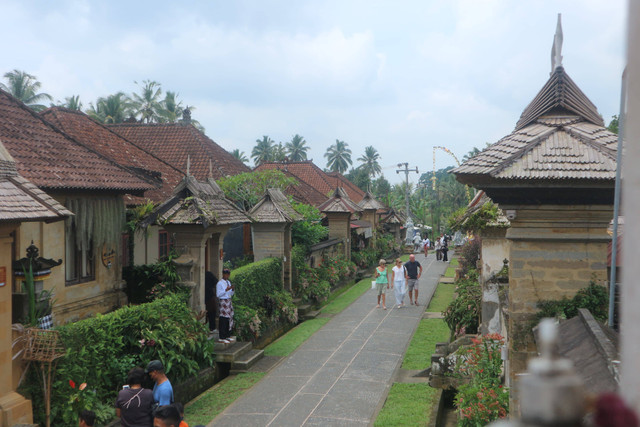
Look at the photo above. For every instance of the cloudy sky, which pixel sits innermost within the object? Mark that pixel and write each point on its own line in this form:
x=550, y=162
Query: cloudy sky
x=402, y=76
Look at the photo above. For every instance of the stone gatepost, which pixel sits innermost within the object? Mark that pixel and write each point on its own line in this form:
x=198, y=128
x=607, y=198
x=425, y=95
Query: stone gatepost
x=340, y=228
x=269, y=240
x=554, y=252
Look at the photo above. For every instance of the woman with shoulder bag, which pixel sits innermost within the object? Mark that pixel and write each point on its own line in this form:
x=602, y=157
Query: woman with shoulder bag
x=382, y=280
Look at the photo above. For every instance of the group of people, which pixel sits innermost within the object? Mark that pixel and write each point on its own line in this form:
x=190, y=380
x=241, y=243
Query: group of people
x=403, y=277
x=442, y=247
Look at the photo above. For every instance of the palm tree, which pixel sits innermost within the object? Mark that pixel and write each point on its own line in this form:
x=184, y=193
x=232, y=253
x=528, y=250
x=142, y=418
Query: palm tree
x=112, y=109
x=279, y=153
x=338, y=157
x=263, y=152
x=370, y=161
x=297, y=149
x=170, y=108
x=147, y=104
x=239, y=155
x=25, y=87
x=72, y=103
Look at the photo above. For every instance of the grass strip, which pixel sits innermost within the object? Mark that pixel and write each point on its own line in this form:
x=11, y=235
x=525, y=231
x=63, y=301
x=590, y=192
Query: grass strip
x=454, y=262
x=407, y=405
x=286, y=344
x=442, y=298
x=210, y=403
x=451, y=272
x=423, y=344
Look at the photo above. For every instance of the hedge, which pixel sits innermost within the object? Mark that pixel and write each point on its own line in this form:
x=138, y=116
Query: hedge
x=255, y=281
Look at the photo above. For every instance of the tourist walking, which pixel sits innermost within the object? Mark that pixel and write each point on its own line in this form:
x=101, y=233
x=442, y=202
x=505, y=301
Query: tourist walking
x=445, y=249
x=399, y=282
x=224, y=292
x=162, y=389
x=425, y=245
x=134, y=403
x=438, y=248
x=413, y=271
x=382, y=282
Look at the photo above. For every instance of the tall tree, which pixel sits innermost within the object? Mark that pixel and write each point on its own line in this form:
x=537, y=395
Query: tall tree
x=338, y=157
x=239, y=155
x=263, y=151
x=25, y=87
x=147, y=104
x=359, y=177
x=370, y=161
x=112, y=109
x=278, y=153
x=170, y=108
x=297, y=149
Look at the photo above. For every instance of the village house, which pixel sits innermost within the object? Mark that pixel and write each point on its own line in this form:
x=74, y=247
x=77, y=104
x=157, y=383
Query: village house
x=553, y=177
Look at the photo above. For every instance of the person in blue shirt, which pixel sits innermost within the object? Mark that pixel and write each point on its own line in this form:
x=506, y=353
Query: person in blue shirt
x=162, y=390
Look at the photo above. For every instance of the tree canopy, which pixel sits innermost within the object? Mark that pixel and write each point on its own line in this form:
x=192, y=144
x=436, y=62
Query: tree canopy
x=25, y=87
x=338, y=157
x=249, y=187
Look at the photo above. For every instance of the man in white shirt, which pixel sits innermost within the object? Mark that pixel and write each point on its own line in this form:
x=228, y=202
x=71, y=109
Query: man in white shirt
x=224, y=292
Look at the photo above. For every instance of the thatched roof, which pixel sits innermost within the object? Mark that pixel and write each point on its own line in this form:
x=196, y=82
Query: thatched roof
x=274, y=207
x=339, y=202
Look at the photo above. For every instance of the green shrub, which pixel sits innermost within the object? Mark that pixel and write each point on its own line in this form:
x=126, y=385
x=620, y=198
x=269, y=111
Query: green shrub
x=463, y=313
x=254, y=281
x=309, y=231
x=594, y=298
x=101, y=350
x=247, y=323
x=149, y=282
x=470, y=254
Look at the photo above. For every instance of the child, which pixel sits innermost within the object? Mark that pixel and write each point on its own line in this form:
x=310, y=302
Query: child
x=382, y=280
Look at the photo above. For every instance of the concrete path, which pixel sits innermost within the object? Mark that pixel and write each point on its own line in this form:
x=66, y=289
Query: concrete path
x=342, y=374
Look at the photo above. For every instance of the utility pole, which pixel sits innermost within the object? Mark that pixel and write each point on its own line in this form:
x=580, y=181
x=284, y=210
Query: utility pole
x=406, y=170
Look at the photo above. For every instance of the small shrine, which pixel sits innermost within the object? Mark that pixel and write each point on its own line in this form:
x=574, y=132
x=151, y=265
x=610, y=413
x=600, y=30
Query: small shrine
x=339, y=210
x=271, y=230
x=370, y=207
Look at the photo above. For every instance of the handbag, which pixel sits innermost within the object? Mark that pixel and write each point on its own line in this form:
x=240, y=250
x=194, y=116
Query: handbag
x=373, y=284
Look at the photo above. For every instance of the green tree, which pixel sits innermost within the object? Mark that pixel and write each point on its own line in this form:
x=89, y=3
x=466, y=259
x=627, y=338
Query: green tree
x=25, y=87
x=370, y=161
x=249, y=187
x=279, y=153
x=112, y=109
x=380, y=187
x=614, y=124
x=263, y=151
x=147, y=103
x=170, y=108
x=359, y=177
x=72, y=103
x=297, y=149
x=338, y=157
x=239, y=155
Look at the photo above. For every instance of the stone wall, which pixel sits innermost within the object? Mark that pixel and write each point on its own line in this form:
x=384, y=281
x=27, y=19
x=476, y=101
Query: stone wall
x=495, y=249
x=340, y=228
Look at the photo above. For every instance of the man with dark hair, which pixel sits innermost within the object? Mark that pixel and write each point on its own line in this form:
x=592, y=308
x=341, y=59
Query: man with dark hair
x=224, y=292
x=162, y=390
x=413, y=271
x=87, y=418
x=167, y=416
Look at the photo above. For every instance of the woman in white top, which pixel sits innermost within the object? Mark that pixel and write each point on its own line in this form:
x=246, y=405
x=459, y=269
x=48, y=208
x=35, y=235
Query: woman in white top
x=397, y=274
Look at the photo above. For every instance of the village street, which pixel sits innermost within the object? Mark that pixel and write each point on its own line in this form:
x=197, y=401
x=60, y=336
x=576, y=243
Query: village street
x=342, y=374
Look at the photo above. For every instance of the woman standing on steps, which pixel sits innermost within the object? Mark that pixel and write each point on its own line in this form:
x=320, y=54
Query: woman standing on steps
x=382, y=281
x=397, y=277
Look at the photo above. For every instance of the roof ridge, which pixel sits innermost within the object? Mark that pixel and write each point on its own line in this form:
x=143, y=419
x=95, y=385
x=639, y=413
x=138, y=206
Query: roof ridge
x=524, y=150
x=590, y=142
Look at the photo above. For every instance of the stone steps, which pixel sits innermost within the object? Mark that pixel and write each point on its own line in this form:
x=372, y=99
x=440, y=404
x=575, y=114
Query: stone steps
x=228, y=353
x=246, y=361
x=310, y=315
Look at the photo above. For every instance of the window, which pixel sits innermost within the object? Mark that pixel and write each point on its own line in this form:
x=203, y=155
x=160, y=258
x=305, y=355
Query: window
x=124, y=246
x=80, y=263
x=165, y=244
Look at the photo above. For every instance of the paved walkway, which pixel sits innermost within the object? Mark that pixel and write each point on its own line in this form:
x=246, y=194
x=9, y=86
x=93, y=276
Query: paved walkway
x=342, y=374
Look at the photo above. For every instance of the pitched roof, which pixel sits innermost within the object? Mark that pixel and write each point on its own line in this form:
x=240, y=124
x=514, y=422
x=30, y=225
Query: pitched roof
x=20, y=200
x=175, y=142
x=197, y=202
x=393, y=217
x=97, y=136
x=274, y=207
x=51, y=159
x=370, y=202
x=340, y=202
x=326, y=183
x=559, y=137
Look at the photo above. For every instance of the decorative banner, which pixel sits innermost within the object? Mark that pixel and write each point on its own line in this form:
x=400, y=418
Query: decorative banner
x=108, y=256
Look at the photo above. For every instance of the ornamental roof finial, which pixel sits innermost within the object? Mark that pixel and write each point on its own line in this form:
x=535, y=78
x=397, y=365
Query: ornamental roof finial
x=556, y=49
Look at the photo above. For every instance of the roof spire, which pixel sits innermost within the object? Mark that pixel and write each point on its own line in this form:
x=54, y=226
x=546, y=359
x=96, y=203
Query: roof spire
x=188, y=164
x=556, y=49
x=210, y=169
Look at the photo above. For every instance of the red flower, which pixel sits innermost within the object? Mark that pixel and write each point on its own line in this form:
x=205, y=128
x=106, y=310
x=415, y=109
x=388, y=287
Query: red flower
x=72, y=384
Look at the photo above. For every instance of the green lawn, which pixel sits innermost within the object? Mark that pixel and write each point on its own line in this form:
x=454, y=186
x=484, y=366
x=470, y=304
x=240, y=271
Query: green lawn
x=209, y=404
x=442, y=298
x=454, y=262
x=451, y=272
x=286, y=344
x=423, y=344
x=407, y=405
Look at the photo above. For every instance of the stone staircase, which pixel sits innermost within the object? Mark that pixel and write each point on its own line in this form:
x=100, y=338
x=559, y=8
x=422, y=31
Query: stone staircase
x=240, y=355
x=305, y=311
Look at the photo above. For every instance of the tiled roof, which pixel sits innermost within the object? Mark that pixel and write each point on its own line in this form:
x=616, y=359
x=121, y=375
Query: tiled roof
x=175, y=142
x=274, y=207
x=393, y=217
x=325, y=183
x=51, y=159
x=197, y=202
x=110, y=144
x=20, y=200
x=370, y=202
x=339, y=202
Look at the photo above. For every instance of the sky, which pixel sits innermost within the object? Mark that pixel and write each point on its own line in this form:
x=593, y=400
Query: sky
x=401, y=76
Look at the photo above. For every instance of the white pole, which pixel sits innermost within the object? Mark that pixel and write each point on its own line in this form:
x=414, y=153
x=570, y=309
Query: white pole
x=630, y=347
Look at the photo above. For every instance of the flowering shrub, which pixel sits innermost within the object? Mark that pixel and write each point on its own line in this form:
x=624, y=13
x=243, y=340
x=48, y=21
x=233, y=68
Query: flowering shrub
x=280, y=308
x=247, y=323
x=335, y=268
x=463, y=313
x=483, y=399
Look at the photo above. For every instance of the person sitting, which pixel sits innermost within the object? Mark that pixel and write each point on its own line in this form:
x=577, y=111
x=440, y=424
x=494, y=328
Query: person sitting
x=134, y=403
